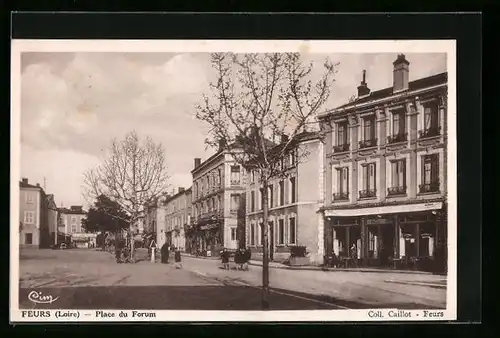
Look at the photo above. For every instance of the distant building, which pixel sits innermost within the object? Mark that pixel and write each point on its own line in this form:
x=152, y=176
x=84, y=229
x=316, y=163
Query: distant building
x=154, y=220
x=217, y=198
x=177, y=214
x=52, y=215
x=33, y=216
x=385, y=172
x=293, y=202
x=70, y=219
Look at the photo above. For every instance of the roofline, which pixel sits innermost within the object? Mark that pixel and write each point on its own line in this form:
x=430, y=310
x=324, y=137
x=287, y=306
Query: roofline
x=208, y=160
x=382, y=100
x=177, y=195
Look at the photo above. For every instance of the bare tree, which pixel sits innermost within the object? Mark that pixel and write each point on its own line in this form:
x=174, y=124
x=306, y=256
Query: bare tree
x=133, y=175
x=259, y=107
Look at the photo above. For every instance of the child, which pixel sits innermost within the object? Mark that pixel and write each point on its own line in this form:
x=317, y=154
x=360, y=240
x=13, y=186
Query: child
x=177, y=257
x=225, y=259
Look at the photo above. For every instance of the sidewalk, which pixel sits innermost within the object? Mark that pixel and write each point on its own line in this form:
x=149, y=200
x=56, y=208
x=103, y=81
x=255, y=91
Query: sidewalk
x=276, y=265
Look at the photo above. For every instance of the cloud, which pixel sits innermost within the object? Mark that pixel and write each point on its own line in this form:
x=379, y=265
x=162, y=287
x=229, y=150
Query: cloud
x=73, y=104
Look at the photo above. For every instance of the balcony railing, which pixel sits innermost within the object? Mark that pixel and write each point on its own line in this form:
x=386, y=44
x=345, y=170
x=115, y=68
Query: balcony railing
x=235, y=182
x=341, y=148
x=341, y=196
x=396, y=191
x=368, y=143
x=401, y=137
x=429, y=132
x=368, y=193
x=431, y=187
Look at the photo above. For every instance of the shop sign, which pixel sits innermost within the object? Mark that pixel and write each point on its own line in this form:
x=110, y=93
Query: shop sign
x=385, y=209
x=208, y=227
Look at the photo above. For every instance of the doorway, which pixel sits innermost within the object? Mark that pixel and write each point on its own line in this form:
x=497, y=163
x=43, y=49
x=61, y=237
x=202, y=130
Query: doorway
x=387, y=244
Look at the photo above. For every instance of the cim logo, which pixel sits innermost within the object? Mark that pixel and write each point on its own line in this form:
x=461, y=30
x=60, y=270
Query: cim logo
x=39, y=298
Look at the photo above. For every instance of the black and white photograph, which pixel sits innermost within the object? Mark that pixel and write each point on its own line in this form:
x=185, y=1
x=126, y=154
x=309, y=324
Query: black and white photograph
x=233, y=180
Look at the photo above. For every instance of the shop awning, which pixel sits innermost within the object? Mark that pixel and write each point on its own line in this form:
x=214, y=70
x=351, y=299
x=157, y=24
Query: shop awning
x=393, y=209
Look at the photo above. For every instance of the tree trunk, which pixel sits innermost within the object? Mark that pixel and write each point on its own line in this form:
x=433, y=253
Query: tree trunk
x=265, y=247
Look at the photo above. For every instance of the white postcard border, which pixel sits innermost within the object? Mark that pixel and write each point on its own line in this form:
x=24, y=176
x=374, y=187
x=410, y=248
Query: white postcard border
x=239, y=46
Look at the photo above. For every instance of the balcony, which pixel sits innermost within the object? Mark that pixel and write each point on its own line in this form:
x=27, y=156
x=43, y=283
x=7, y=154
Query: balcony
x=369, y=193
x=401, y=137
x=341, y=148
x=429, y=188
x=429, y=132
x=368, y=143
x=341, y=196
x=396, y=191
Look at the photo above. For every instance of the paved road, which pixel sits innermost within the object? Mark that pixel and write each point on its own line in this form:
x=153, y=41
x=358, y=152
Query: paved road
x=84, y=279
x=350, y=289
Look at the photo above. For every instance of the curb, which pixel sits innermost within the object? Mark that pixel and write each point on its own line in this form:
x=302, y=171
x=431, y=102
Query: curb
x=430, y=285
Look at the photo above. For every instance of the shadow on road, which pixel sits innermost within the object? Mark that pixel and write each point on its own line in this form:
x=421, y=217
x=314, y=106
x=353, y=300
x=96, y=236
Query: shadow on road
x=164, y=298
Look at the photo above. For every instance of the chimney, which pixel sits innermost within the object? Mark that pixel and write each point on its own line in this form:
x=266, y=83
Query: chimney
x=38, y=184
x=25, y=180
x=284, y=138
x=363, y=87
x=222, y=144
x=401, y=73
x=197, y=162
x=181, y=189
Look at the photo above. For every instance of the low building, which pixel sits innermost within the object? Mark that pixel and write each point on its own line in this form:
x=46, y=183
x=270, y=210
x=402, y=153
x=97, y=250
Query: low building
x=293, y=202
x=385, y=172
x=34, y=216
x=70, y=222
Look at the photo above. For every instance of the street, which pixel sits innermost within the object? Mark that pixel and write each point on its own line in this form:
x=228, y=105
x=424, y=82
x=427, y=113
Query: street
x=90, y=279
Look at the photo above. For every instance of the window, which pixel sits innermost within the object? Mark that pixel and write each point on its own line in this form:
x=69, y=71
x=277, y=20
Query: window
x=219, y=203
x=73, y=228
x=29, y=197
x=430, y=173
x=252, y=201
x=29, y=217
x=342, y=192
x=252, y=176
x=235, y=202
x=252, y=234
x=292, y=231
x=342, y=138
x=431, y=117
x=292, y=190
x=369, y=186
x=398, y=177
x=398, y=123
x=233, y=234
x=282, y=192
x=235, y=174
x=281, y=231
x=293, y=158
x=28, y=238
x=270, y=196
x=369, y=128
x=219, y=177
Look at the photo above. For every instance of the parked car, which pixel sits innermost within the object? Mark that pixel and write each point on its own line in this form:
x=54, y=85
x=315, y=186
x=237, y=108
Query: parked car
x=63, y=246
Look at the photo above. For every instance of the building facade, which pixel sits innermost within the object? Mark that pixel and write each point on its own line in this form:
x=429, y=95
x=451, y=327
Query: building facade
x=217, y=202
x=385, y=172
x=177, y=217
x=293, y=203
x=70, y=220
x=33, y=216
x=52, y=219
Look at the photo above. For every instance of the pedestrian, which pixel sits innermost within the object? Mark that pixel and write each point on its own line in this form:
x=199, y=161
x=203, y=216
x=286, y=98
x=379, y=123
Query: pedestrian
x=354, y=255
x=177, y=258
x=225, y=259
x=247, y=255
x=164, y=253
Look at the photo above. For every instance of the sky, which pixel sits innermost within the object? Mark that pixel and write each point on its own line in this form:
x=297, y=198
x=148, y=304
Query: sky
x=74, y=104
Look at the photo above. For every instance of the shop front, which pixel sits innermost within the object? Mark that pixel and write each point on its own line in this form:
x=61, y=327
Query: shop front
x=400, y=237
x=209, y=236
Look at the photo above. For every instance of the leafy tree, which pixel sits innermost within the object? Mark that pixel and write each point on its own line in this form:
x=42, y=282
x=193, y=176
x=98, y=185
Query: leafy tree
x=105, y=215
x=258, y=109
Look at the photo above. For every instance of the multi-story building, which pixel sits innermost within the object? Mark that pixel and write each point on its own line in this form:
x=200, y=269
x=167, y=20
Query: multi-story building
x=154, y=220
x=217, y=201
x=177, y=217
x=385, y=171
x=33, y=215
x=70, y=220
x=293, y=201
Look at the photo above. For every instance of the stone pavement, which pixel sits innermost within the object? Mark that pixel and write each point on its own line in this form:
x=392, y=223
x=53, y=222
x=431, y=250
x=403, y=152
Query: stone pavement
x=372, y=289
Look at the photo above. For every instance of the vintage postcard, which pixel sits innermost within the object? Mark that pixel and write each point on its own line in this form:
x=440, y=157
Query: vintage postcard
x=233, y=180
